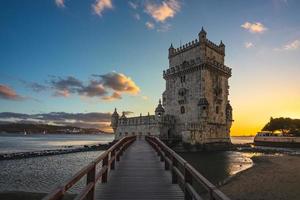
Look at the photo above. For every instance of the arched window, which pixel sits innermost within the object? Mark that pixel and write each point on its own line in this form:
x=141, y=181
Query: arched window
x=217, y=109
x=182, y=109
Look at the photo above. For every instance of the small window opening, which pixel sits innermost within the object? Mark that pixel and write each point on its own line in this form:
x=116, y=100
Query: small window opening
x=182, y=109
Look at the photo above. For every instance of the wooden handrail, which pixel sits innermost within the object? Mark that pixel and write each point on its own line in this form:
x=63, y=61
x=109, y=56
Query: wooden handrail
x=108, y=159
x=183, y=173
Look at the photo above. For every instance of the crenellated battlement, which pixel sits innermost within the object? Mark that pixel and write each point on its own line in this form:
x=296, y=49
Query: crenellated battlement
x=184, y=47
x=190, y=45
x=217, y=48
x=196, y=64
x=137, y=120
x=142, y=120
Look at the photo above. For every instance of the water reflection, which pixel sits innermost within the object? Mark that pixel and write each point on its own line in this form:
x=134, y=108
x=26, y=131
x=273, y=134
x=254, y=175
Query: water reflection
x=219, y=166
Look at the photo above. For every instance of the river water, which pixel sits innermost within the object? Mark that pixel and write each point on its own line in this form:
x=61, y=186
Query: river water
x=11, y=143
x=42, y=174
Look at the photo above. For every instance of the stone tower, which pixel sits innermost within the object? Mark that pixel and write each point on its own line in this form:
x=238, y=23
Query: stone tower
x=196, y=91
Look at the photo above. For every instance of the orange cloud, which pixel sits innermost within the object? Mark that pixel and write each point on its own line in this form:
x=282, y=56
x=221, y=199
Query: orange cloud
x=101, y=5
x=120, y=83
x=254, y=27
x=108, y=86
x=161, y=12
x=8, y=93
x=114, y=96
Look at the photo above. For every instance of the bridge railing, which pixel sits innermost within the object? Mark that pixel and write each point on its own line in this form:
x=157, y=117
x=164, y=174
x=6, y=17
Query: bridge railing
x=108, y=159
x=184, y=174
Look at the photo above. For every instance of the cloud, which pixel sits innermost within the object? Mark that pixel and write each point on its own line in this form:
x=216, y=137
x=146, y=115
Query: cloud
x=161, y=12
x=150, y=25
x=65, y=86
x=94, y=89
x=61, y=93
x=133, y=5
x=256, y=27
x=36, y=87
x=114, y=96
x=294, y=45
x=119, y=82
x=108, y=86
x=9, y=94
x=248, y=45
x=60, y=3
x=137, y=16
x=84, y=120
x=100, y=5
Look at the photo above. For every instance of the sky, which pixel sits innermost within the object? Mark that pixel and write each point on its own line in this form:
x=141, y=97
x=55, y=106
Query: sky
x=74, y=61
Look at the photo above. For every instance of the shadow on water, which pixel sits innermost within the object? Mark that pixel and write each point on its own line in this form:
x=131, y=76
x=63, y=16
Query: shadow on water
x=218, y=166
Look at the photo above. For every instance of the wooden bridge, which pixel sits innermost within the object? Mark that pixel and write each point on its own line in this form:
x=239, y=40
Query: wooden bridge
x=148, y=170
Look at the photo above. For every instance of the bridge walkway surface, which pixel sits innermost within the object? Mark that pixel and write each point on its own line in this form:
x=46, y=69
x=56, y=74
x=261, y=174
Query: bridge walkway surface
x=139, y=175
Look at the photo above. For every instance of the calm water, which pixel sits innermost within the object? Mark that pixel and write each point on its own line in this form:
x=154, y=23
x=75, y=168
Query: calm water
x=242, y=140
x=219, y=165
x=42, y=174
x=10, y=143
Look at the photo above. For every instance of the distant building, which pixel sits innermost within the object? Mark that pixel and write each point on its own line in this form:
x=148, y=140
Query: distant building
x=195, y=106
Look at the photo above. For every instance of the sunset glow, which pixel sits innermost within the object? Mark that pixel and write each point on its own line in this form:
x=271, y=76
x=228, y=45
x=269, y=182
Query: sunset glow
x=85, y=57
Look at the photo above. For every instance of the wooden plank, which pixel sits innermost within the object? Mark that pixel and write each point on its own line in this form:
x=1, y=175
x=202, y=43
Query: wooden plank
x=139, y=175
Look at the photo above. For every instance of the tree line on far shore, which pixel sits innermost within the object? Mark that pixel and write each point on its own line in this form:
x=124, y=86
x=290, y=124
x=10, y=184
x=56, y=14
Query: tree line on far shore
x=40, y=128
x=283, y=125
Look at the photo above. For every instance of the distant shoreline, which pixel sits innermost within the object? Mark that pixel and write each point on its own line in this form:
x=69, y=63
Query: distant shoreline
x=69, y=149
x=56, y=133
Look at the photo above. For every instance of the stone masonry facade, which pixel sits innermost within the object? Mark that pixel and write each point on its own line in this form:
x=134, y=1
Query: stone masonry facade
x=195, y=106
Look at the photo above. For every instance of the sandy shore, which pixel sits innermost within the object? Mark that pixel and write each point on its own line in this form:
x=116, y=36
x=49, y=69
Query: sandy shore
x=271, y=178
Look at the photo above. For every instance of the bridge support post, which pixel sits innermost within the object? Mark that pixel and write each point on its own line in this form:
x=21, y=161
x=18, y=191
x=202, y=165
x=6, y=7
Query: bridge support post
x=118, y=155
x=105, y=164
x=91, y=178
x=174, y=175
x=167, y=165
x=112, y=156
x=187, y=180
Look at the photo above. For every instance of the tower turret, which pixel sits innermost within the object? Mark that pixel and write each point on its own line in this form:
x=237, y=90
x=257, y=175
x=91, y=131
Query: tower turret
x=171, y=50
x=222, y=47
x=114, y=120
x=159, y=111
x=202, y=35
